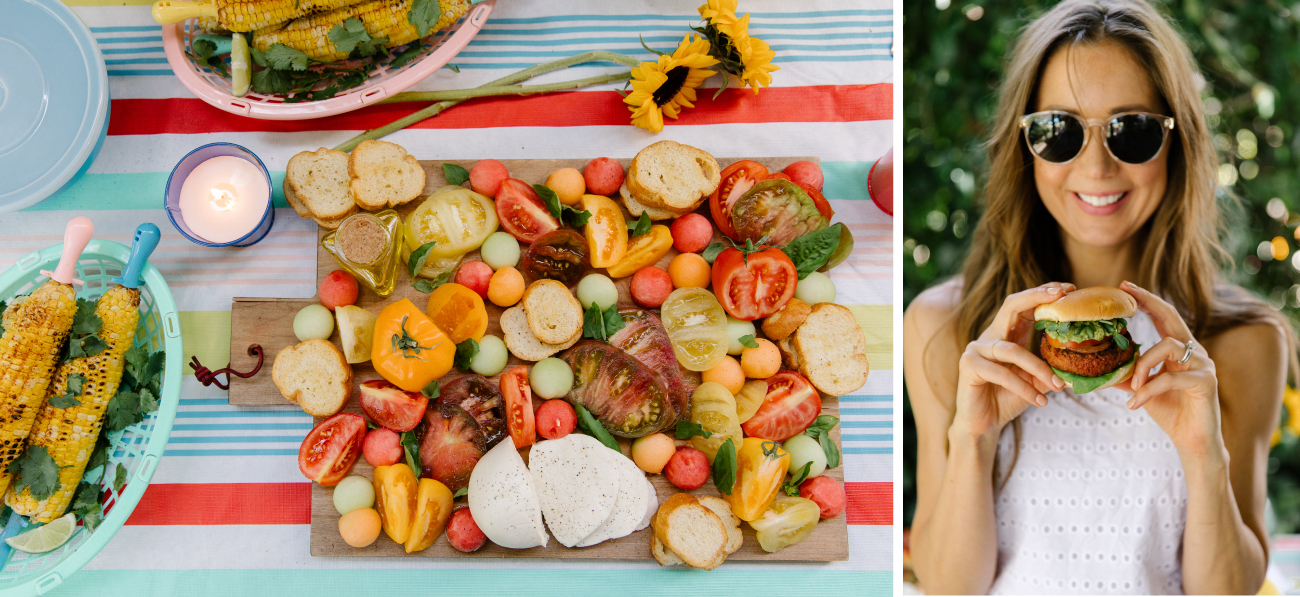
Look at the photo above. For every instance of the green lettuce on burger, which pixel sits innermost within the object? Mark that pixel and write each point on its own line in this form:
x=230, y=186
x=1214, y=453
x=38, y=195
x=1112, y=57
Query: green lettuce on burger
x=1085, y=337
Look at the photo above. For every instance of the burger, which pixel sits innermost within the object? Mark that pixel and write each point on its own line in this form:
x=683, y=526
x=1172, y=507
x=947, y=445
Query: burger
x=1085, y=339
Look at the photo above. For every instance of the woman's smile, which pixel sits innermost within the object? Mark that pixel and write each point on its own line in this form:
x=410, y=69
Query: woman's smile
x=1100, y=203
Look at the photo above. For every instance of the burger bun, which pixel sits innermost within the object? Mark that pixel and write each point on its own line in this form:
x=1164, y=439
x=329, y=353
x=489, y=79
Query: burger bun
x=1089, y=304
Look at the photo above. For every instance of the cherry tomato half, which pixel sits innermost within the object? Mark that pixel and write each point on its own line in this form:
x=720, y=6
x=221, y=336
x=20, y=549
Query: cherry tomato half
x=754, y=287
x=331, y=448
x=736, y=179
x=519, y=407
x=521, y=212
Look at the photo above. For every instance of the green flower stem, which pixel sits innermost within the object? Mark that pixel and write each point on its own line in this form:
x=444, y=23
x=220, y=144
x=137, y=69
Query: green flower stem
x=464, y=94
x=509, y=80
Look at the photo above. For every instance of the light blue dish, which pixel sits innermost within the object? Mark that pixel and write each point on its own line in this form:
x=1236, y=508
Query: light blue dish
x=53, y=100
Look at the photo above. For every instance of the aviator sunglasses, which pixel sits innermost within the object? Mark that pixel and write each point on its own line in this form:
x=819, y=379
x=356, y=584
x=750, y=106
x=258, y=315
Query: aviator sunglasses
x=1130, y=137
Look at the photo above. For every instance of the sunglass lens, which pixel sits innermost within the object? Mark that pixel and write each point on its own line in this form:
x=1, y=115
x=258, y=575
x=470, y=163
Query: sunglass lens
x=1135, y=138
x=1055, y=137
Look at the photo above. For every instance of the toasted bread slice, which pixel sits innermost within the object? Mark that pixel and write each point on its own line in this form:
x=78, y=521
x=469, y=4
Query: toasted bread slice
x=786, y=346
x=384, y=175
x=554, y=314
x=673, y=176
x=781, y=324
x=663, y=555
x=636, y=208
x=315, y=376
x=292, y=198
x=830, y=350
x=735, y=538
x=520, y=340
x=320, y=180
x=691, y=531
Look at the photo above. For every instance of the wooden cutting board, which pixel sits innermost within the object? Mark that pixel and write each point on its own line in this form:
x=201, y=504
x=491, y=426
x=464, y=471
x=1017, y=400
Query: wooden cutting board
x=269, y=323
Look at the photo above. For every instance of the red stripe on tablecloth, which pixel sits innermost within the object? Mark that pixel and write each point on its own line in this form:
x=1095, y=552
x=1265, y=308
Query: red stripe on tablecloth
x=224, y=503
x=870, y=503
x=824, y=103
x=290, y=503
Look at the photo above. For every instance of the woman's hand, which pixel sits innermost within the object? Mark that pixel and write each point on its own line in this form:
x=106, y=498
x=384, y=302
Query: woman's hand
x=998, y=378
x=1183, y=398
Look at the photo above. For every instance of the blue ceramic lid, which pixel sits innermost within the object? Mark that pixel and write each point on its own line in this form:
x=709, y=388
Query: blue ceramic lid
x=53, y=100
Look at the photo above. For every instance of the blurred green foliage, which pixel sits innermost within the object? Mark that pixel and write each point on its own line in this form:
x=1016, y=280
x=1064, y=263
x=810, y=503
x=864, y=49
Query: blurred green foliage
x=1249, y=54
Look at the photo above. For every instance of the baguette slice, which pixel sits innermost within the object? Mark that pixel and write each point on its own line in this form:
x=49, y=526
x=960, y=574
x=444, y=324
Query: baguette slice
x=384, y=175
x=520, y=340
x=635, y=208
x=730, y=521
x=320, y=180
x=830, y=349
x=663, y=555
x=781, y=324
x=302, y=210
x=786, y=347
x=673, y=176
x=554, y=314
x=315, y=376
x=692, y=531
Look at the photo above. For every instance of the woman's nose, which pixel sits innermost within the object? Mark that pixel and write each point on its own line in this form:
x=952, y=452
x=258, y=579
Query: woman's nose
x=1095, y=161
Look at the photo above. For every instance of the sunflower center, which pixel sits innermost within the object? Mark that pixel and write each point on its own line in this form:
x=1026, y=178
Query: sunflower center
x=676, y=79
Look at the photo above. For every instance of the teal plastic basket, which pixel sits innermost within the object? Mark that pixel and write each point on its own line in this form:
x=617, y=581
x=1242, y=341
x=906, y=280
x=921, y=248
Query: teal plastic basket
x=138, y=447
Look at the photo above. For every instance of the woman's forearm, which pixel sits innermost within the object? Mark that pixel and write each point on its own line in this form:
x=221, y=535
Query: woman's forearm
x=1221, y=556
x=954, y=551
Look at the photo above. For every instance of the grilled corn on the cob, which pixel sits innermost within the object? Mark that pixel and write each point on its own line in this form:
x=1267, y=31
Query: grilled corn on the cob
x=69, y=434
x=35, y=328
x=381, y=18
x=242, y=16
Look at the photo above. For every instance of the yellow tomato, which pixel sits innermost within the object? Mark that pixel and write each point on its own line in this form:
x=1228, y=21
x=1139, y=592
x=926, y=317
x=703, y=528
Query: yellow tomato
x=787, y=521
x=395, y=499
x=760, y=469
x=408, y=349
x=714, y=408
x=433, y=508
x=458, y=311
x=457, y=220
x=643, y=250
x=606, y=231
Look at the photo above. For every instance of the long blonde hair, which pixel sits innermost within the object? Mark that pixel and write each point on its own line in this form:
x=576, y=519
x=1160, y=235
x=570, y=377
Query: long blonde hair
x=1017, y=244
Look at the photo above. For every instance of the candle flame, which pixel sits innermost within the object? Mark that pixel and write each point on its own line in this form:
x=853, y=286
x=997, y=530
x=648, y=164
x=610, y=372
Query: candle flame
x=222, y=200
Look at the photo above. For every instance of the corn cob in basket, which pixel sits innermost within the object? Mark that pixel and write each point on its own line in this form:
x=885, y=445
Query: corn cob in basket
x=35, y=327
x=381, y=18
x=242, y=16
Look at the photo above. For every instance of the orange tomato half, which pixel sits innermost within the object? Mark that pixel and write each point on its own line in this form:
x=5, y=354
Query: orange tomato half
x=606, y=230
x=760, y=469
x=432, y=509
x=395, y=499
x=458, y=311
x=408, y=349
x=643, y=250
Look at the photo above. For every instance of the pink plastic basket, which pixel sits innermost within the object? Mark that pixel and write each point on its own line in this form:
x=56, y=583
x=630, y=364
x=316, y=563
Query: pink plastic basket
x=384, y=82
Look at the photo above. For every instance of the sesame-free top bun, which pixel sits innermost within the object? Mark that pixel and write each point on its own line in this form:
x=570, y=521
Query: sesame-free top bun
x=1089, y=304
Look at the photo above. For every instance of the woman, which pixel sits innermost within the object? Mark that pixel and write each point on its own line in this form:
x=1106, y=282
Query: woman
x=1101, y=175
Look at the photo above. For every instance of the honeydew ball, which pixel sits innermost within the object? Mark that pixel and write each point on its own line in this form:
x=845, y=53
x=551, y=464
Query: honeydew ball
x=313, y=321
x=551, y=378
x=816, y=288
x=353, y=493
x=804, y=449
x=736, y=329
x=599, y=289
x=491, y=357
x=499, y=250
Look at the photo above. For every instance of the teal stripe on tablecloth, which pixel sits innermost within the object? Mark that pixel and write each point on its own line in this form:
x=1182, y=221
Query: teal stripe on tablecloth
x=754, y=28
x=140, y=73
x=867, y=424
x=123, y=29
x=695, y=17
x=489, y=582
x=556, y=55
x=864, y=397
x=236, y=439
x=144, y=50
x=234, y=452
x=846, y=180
x=243, y=427
x=122, y=61
x=238, y=414
x=866, y=411
x=128, y=40
x=142, y=190
x=849, y=450
x=205, y=402
x=867, y=437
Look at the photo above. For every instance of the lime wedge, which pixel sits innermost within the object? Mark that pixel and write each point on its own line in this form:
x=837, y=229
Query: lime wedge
x=241, y=67
x=45, y=538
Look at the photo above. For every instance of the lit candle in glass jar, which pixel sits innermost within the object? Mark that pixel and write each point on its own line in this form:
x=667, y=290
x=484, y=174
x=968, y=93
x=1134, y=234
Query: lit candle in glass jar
x=224, y=199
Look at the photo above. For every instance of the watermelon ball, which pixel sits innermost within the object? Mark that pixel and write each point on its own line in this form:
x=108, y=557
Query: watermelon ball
x=337, y=289
x=692, y=233
x=475, y=276
x=486, y=176
x=603, y=176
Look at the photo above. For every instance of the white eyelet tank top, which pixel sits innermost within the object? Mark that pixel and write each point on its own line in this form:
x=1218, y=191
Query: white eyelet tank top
x=1096, y=502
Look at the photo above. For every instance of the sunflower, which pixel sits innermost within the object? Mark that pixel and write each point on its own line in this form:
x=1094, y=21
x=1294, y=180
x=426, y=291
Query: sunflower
x=664, y=87
x=749, y=58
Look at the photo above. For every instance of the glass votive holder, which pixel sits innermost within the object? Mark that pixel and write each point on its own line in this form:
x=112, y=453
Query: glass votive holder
x=182, y=171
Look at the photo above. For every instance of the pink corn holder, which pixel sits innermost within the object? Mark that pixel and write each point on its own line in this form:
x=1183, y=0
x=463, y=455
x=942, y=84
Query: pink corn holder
x=383, y=83
x=172, y=196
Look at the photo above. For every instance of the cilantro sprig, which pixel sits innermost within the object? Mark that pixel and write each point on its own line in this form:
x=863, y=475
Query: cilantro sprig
x=84, y=340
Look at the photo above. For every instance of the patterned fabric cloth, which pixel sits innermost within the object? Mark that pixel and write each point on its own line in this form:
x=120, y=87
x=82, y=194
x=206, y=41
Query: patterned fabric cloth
x=228, y=512
x=1096, y=501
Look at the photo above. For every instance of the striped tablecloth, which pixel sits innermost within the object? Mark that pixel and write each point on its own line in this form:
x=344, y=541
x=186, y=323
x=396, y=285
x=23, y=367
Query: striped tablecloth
x=227, y=512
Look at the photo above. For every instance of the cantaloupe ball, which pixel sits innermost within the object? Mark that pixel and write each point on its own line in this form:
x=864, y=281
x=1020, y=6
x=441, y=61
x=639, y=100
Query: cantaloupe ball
x=652, y=452
x=360, y=527
x=762, y=362
x=728, y=373
x=568, y=184
x=506, y=287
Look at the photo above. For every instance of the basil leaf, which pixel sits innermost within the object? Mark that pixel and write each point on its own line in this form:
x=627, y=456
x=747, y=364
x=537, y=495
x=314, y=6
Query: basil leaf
x=724, y=467
x=455, y=175
x=460, y=493
x=639, y=227
x=792, y=488
x=465, y=352
x=594, y=324
x=711, y=252
x=411, y=447
x=433, y=390
x=689, y=429
x=416, y=262
x=429, y=284
x=748, y=341
x=566, y=215
x=613, y=321
x=813, y=250
x=592, y=427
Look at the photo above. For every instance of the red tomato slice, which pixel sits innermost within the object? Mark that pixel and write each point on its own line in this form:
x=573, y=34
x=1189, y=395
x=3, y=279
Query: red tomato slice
x=392, y=407
x=1085, y=347
x=781, y=175
x=522, y=212
x=519, y=406
x=736, y=179
x=790, y=407
x=819, y=200
x=756, y=287
x=330, y=450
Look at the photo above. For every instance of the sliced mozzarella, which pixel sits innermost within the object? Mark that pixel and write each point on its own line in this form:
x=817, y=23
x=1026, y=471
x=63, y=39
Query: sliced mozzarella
x=629, y=508
x=651, y=505
x=503, y=501
x=577, y=483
